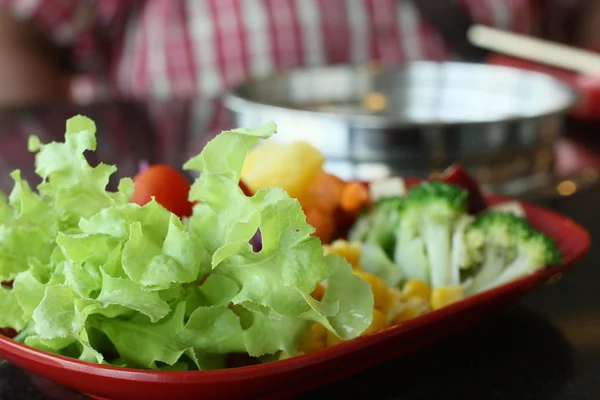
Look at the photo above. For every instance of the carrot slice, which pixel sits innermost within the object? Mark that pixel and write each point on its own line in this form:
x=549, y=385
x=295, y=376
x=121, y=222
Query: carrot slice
x=323, y=222
x=354, y=197
x=324, y=192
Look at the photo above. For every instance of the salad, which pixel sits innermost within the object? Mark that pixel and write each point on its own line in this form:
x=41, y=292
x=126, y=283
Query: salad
x=248, y=264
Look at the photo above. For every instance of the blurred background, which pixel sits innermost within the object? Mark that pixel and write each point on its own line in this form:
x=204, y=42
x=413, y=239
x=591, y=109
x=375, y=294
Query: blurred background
x=382, y=87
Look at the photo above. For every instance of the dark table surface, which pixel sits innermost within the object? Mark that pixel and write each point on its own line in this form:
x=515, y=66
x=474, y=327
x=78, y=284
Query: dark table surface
x=547, y=346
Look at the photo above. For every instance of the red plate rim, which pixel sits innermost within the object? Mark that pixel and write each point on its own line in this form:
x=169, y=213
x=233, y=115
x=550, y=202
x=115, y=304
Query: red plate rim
x=10, y=346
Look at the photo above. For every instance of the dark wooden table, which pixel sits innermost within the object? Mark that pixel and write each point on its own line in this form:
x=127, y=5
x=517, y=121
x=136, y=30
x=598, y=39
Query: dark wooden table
x=545, y=347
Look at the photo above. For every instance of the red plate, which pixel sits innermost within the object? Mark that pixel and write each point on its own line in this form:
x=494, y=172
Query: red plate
x=292, y=376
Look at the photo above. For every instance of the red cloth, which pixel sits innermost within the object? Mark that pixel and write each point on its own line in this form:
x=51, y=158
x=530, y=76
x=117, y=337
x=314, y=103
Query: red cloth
x=191, y=48
x=198, y=48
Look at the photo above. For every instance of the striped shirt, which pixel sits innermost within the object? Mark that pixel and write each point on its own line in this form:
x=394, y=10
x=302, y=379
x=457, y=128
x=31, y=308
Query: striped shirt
x=190, y=48
x=178, y=49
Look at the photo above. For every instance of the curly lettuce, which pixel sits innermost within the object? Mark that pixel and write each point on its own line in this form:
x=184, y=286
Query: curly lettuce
x=102, y=280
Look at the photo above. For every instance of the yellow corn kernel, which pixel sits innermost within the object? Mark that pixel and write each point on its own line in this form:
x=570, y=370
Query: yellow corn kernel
x=351, y=251
x=332, y=339
x=441, y=297
x=381, y=294
x=314, y=339
x=396, y=304
x=396, y=295
x=416, y=288
x=413, y=307
x=378, y=322
x=318, y=292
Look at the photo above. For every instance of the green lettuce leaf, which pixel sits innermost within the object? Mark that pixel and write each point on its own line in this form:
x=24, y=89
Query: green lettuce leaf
x=74, y=347
x=27, y=230
x=218, y=290
x=158, y=265
x=142, y=343
x=225, y=214
x=87, y=351
x=355, y=299
x=276, y=282
x=75, y=186
x=268, y=334
x=57, y=315
x=12, y=315
x=290, y=263
x=105, y=281
x=129, y=294
x=157, y=250
x=50, y=345
x=29, y=292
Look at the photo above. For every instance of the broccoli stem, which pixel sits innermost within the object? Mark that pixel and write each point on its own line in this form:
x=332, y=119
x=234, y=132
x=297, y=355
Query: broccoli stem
x=521, y=266
x=437, y=242
x=491, y=268
x=410, y=256
x=459, y=249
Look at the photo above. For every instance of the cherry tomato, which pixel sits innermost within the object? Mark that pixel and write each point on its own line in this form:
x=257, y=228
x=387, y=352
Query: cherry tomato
x=169, y=187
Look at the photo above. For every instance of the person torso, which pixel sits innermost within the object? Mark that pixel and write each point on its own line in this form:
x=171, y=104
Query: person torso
x=201, y=47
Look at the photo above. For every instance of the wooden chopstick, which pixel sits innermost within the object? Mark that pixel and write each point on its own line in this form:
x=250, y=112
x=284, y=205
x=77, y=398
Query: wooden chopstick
x=534, y=49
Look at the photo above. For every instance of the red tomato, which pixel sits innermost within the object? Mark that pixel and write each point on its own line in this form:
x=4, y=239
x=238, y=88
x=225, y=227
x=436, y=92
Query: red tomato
x=245, y=188
x=169, y=187
x=457, y=175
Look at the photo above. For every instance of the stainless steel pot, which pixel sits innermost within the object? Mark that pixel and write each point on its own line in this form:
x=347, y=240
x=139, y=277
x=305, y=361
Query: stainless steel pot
x=373, y=122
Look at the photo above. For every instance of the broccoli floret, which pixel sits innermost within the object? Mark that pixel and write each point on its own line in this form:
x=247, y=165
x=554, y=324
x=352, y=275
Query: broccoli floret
x=424, y=236
x=467, y=244
x=500, y=232
x=378, y=225
x=430, y=236
x=374, y=260
x=512, y=248
x=534, y=251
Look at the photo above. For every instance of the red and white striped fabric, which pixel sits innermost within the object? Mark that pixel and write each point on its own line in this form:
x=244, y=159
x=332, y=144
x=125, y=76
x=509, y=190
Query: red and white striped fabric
x=166, y=49
x=191, y=48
